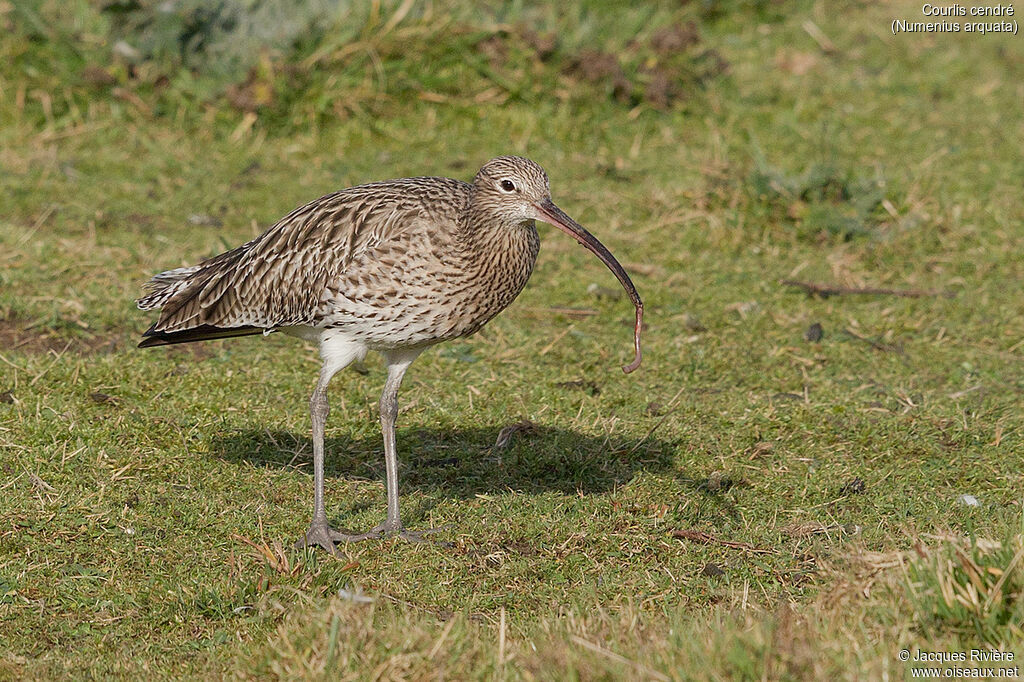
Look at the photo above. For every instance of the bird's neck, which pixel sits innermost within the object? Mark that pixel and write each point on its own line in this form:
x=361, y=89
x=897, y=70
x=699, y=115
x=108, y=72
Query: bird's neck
x=494, y=240
x=484, y=231
x=500, y=252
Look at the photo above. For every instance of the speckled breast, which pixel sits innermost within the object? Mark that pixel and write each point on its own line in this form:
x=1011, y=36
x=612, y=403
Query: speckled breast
x=411, y=300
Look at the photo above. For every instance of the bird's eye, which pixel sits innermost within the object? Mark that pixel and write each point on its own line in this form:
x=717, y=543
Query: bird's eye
x=508, y=186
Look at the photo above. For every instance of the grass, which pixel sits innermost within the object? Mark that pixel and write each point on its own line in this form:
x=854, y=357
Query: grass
x=151, y=497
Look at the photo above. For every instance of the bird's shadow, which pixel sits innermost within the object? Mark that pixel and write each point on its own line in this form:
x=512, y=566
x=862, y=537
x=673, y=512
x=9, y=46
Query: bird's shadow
x=464, y=462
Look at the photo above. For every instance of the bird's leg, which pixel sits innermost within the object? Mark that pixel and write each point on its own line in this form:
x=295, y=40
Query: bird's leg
x=388, y=416
x=319, y=532
x=398, y=362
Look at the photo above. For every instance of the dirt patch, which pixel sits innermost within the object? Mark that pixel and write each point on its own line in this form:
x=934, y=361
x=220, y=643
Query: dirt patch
x=795, y=62
x=663, y=79
x=588, y=387
x=675, y=39
x=495, y=47
x=601, y=68
x=543, y=44
x=662, y=86
x=97, y=76
x=712, y=571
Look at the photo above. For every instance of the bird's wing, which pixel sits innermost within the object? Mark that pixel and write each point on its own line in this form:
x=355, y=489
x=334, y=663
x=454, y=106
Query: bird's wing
x=279, y=278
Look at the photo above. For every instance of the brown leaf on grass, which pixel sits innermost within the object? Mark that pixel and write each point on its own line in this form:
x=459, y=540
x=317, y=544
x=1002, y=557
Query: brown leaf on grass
x=256, y=91
x=251, y=96
x=806, y=529
x=761, y=449
x=708, y=539
x=877, y=561
x=743, y=308
x=104, y=399
x=38, y=483
x=274, y=555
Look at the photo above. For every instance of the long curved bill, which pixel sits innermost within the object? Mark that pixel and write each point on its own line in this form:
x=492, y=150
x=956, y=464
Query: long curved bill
x=550, y=213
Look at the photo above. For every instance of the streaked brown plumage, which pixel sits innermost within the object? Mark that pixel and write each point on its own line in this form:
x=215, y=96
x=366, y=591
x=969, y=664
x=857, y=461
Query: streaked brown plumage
x=392, y=266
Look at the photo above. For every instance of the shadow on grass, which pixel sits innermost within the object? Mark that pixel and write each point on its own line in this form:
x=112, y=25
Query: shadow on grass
x=463, y=462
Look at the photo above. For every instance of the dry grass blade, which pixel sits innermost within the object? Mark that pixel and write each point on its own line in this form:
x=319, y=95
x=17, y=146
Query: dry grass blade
x=434, y=650
x=877, y=345
x=39, y=483
x=997, y=589
x=501, y=639
x=611, y=655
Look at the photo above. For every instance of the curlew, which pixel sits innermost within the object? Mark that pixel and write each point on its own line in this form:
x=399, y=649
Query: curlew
x=393, y=267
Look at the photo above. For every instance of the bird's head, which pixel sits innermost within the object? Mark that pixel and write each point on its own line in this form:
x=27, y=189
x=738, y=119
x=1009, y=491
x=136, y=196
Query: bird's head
x=511, y=190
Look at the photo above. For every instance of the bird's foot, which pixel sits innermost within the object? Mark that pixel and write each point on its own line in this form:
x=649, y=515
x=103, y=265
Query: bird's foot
x=322, y=535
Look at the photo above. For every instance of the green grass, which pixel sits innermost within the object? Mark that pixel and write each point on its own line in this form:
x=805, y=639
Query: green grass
x=151, y=497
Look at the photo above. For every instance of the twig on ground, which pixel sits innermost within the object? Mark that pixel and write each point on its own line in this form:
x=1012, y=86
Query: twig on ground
x=708, y=539
x=877, y=345
x=826, y=290
x=809, y=528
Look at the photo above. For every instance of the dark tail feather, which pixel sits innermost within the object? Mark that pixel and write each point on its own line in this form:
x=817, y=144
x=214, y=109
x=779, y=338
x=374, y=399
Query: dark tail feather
x=204, y=332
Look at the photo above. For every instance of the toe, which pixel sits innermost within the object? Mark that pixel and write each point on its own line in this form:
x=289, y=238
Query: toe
x=318, y=535
x=322, y=535
x=307, y=541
